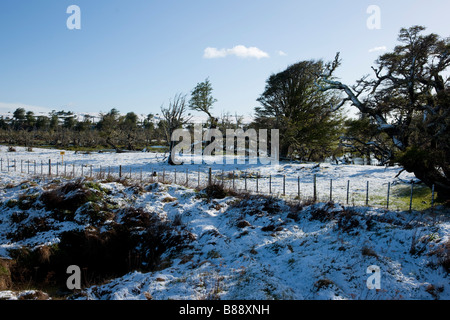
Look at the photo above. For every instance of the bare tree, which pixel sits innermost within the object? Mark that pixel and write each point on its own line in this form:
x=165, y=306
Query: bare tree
x=174, y=118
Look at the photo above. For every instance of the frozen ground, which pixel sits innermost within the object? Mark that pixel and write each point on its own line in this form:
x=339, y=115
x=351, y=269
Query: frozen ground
x=259, y=247
x=298, y=177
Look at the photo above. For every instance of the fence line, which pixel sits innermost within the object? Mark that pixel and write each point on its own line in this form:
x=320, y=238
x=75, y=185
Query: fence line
x=239, y=182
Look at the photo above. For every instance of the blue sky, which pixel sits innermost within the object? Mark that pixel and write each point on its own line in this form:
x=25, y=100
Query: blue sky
x=135, y=55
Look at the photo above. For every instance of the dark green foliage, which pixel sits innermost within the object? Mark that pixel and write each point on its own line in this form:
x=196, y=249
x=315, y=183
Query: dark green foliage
x=63, y=130
x=202, y=100
x=309, y=127
x=408, y=100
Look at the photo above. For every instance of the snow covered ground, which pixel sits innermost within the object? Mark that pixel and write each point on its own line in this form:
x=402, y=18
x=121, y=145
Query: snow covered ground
x=298, y=177
x=260, y=248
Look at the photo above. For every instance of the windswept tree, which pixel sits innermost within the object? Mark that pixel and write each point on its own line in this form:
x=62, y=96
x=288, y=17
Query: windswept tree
x=174, y=118
x=308, y=120
x=19, y=117
x=408, y=99
x=202, y=100
x=109, y=128
x=30, y=120
x=129, y=127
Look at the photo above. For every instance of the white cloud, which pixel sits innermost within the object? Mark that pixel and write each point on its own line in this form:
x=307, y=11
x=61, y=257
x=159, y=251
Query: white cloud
x=238, y=51
x=211, y=53
x=282, y=53
x=382, y=48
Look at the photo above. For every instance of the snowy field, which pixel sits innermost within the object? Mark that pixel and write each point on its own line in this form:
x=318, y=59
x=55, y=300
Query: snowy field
x=348, y=182
x=255, y=247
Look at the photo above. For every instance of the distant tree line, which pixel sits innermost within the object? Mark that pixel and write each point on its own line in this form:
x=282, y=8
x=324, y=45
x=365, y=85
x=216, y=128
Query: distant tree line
x=65, y=130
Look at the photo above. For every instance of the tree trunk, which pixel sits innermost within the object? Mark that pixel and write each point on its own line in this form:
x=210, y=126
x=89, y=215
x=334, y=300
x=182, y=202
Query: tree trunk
x=434, y=177
x=170, y=160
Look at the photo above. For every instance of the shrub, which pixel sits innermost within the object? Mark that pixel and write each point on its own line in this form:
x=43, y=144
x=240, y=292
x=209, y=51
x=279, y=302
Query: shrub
x=323, y=283
x=243, y=223
x=29, y=229
x=322, y=213
x=271, y=205
x=347, y=220
x=268, y=228
x=11, y=203
x=169, y=199
x=442, y=253
x=69, y=197
x=215, y=191
x=136, y=218
x=368, y=252
x=18, y=216
x=26, y=201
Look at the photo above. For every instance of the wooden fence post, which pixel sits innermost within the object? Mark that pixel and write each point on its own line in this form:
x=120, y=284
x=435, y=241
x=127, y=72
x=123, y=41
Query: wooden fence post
x=209, y=177
x=270, y=184
x=331, y=190
x=49, y=167
x=120, y=171
x=388, y=192
x=315, y=188
x=257, y=182
x=367, y=194
x=298, y=188
x=348, y=189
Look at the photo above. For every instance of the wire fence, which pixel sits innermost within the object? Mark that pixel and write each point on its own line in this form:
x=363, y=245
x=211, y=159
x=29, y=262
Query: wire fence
x=295, y=188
